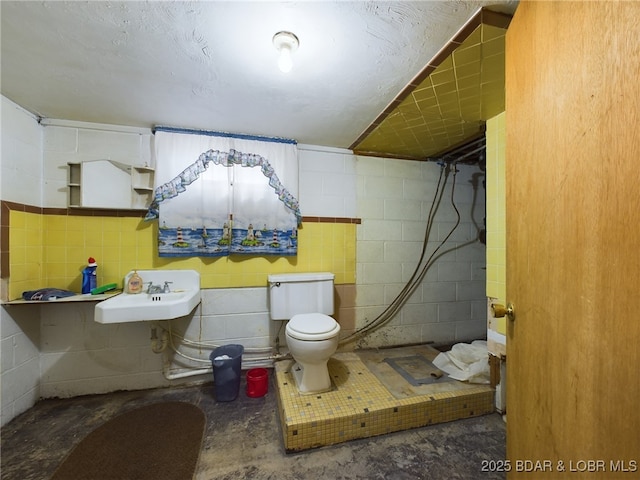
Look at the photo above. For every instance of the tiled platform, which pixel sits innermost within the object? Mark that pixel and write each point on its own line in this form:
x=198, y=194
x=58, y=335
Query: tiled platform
x=361, y=406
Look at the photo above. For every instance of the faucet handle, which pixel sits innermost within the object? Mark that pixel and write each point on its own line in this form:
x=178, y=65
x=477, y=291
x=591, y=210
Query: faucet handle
x=166, y=288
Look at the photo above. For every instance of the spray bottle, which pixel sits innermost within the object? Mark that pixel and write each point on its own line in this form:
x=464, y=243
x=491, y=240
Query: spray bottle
x=89, y=276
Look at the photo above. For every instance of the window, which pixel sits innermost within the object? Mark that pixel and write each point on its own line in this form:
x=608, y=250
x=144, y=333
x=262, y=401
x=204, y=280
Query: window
x=219, y=194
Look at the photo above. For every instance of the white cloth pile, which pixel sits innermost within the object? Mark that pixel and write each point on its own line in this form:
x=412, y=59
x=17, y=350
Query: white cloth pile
x=467, y=362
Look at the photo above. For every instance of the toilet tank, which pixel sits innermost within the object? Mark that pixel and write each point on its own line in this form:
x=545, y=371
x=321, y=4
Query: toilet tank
x=294, y=293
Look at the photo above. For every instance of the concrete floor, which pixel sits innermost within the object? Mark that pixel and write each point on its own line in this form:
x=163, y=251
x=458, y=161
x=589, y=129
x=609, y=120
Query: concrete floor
x=243, y=441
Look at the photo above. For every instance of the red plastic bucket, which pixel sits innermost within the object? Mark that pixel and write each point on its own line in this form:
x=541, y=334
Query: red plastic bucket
x=257, y=382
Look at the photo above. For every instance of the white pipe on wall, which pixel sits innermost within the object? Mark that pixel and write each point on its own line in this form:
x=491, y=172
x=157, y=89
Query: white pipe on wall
x=158, y=346
x=186, y=373
x=169, y=375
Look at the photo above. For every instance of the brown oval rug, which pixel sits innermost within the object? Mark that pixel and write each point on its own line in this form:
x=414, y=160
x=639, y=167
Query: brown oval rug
x=158, y=441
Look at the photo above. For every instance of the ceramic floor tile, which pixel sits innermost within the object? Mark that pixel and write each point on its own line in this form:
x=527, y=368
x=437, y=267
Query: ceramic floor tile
x=366, y=400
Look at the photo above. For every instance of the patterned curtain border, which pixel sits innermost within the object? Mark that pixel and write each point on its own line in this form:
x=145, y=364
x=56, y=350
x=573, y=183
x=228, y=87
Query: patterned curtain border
x=178, y=184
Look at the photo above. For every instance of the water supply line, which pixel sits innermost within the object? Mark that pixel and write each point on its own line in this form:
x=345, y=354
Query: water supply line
x=210, y=345
x=420, y=271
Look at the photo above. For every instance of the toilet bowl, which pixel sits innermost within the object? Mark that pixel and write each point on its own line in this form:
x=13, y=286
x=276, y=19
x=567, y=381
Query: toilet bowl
x=312, y=338
x=305, y=301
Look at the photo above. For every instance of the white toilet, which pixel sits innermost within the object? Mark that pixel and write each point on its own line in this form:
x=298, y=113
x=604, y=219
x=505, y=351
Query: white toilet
x=306, y=300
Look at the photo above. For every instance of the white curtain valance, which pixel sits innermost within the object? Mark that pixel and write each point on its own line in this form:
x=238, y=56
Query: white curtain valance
x=222, y=194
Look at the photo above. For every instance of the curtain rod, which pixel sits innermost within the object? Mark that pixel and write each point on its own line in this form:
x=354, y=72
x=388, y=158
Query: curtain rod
x=212, y=133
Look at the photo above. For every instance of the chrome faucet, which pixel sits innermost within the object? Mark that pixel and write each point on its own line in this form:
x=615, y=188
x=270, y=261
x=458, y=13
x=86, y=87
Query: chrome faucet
x=158, y=289
x=154, y=288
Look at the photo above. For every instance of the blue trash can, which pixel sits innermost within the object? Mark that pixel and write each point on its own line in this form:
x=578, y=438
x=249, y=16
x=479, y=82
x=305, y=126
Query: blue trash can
x=227, y=371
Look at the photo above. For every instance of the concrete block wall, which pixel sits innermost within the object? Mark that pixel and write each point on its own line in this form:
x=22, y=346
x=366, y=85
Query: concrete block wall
x=59, y=350
x=19, y=361
x=20, y=181
x=225, y=316
x=79, y=356
x=327, y=182
x=394, y=198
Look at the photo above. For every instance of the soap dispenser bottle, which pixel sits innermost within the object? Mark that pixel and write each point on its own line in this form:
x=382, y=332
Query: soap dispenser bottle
x=134, y=285
x=89, y=276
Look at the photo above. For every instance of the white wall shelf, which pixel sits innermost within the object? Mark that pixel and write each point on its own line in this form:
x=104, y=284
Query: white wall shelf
x=76, y=298
x=142, y=186
x=109, y=184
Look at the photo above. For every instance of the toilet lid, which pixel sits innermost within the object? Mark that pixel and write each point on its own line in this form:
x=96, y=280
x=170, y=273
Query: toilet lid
x=312, y=326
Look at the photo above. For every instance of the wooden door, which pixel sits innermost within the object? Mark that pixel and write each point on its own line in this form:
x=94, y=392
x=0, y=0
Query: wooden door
x=573, y=240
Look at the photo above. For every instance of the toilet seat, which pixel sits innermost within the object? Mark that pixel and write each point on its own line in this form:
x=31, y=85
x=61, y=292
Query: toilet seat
x=312, y=327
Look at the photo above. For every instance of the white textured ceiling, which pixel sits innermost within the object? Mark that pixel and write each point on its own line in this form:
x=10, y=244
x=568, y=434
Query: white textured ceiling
x=211, y=65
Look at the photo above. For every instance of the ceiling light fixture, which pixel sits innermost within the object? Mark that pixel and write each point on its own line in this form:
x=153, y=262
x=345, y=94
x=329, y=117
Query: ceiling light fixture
x=286, y=43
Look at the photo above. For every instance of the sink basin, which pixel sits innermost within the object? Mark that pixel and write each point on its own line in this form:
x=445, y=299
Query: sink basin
x=183, y=296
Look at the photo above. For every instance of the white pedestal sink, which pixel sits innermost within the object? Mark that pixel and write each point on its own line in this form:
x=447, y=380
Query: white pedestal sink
x=173, y=294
